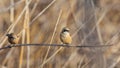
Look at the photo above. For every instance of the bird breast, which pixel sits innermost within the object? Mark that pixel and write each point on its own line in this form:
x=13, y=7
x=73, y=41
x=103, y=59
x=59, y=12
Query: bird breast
x=66, y=38
x=13, y=40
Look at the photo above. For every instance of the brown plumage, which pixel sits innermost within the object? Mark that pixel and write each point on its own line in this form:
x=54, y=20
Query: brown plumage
x=65, y=36
x=12, y=38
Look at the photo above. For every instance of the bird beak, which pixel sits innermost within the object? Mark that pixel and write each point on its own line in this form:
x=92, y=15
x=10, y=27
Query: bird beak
x=7, y=34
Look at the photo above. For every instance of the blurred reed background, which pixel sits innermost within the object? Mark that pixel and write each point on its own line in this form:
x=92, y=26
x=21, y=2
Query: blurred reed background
x=91, y=22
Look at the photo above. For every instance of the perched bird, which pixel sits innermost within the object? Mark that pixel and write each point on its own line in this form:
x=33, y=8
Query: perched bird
x=65, y=36
x=12, y=38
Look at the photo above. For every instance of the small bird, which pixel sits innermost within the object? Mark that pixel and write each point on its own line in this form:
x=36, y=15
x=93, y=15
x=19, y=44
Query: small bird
x=12, y=38
x=65, y=36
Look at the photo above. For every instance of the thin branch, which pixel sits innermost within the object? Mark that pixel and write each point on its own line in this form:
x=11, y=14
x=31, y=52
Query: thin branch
x=54, y=45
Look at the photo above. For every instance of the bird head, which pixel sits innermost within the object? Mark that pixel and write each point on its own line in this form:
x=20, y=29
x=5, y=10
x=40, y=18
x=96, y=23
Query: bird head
x=10, y=35
x=65, y=29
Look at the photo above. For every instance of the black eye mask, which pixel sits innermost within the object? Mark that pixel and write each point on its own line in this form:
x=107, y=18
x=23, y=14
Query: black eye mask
x=65, y=30
x=11, y=37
